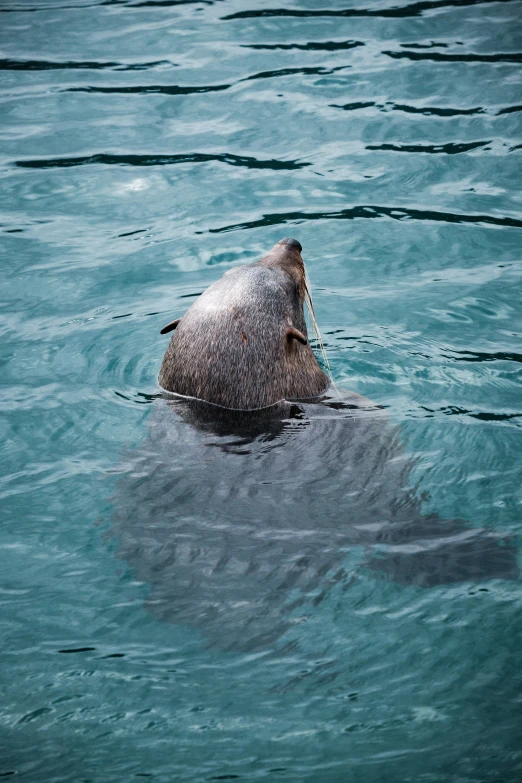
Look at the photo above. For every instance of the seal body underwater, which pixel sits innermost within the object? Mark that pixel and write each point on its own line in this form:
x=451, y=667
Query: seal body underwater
x=243, y=344
x=241, y=521
x=240, y=524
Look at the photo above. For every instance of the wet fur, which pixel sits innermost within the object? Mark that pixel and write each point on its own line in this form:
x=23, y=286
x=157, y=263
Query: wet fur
x=232, y=347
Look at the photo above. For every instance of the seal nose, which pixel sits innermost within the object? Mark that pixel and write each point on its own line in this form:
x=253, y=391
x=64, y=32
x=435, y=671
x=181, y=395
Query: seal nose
x=291, y=243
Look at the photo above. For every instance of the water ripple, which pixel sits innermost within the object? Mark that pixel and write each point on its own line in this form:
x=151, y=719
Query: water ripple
x=410, y=9
x=163, y=3
x=312, y=46
x=434, y=111
x=370, y=211
x=355, y=106
x=514, y=57
x=448, y=149
x=455, y=410
x=305, y=71
x=81, y=6
x=160, y=160
x=425, y=45
x=288, y=544
x=53, y=65
x=164, y=89
x=509, y=110
x=428, y=111
x=481, y=356
x=176, y=89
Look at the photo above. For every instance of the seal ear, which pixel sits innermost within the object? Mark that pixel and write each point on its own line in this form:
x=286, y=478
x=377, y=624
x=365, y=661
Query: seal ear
x=170, y=327
x=295, y=334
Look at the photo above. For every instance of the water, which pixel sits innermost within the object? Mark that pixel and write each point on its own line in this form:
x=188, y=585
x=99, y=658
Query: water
x=147, y=147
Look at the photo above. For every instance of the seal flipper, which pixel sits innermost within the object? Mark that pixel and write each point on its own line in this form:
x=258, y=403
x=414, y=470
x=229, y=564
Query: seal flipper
x=170, y=327
x=429, y=551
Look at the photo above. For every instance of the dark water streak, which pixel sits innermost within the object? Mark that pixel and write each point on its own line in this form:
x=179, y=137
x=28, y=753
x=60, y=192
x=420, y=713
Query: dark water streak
x=109, y=159
x=54, y=65
x=162, y=89
x=455, y=410
x=373, y=212
x=482, y=356
x=428, y=111
x=174, y=89
x=127, y=3
x=304, y=71
x=442, y=57
x=410, y=9
x=311, y=46
x=451, y=148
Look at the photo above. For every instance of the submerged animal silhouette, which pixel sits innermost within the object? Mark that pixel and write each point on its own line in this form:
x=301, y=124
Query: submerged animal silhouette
x=235, y=520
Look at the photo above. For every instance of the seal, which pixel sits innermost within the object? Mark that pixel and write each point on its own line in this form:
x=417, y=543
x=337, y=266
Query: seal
x=242, y=523
x=243, y=344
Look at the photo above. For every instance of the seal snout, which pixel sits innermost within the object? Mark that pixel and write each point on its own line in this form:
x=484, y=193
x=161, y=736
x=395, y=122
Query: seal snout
x=291, y=243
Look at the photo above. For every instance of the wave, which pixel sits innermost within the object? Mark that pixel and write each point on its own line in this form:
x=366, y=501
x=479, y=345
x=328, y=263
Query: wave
x=429, y=111
x=81, y=6
x=454, y=410
x=160, y=160
x=447, y=149
x=370, y=211
x=434, y=111
x=354, y=106
x=410, y=9
x=509, y=109
x=52, y=65
x=164, y=89
x=176, y=89
x=164, y=3
x=312, y=46
x=311, y=70
x=481, y=356
x=425, y=45
x=506, y=57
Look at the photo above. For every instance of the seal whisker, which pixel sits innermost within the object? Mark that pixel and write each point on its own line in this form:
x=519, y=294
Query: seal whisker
x=310, y=306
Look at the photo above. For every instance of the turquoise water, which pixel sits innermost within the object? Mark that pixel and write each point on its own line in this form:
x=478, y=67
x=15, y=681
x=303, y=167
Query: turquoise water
x=146, y=147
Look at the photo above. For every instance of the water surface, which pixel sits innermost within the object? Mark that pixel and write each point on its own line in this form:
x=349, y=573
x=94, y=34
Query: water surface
x=147, y=146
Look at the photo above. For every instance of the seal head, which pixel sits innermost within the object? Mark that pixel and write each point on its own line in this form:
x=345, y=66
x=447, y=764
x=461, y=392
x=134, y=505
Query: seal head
x=243, y=344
